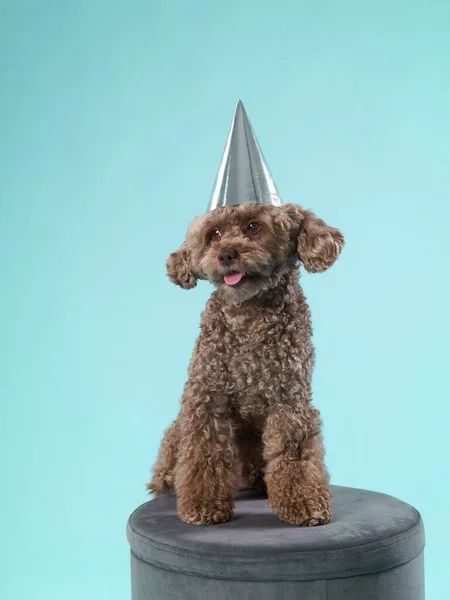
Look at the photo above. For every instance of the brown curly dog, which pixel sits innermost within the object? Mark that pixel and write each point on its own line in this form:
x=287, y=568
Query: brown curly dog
x=246, y=417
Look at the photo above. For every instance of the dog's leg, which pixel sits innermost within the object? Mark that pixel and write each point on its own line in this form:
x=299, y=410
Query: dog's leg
x=206, y=477
x=296, y=477
x=163, y=479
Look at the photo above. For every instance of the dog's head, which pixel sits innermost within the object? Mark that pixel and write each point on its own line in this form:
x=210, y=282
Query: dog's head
x=244, y=250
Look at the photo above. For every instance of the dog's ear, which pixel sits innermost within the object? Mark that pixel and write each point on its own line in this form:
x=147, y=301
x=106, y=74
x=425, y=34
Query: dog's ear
x=318, y=244
x=179, y=269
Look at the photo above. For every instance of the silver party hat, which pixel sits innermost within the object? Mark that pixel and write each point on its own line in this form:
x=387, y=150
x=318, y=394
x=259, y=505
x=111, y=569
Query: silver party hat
x=243, y=176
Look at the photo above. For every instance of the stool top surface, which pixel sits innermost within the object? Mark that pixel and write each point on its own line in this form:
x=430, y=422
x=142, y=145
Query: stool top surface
x=369, y=532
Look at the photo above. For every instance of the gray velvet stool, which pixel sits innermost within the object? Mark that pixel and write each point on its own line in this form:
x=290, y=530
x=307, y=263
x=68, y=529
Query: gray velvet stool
x=373, y=550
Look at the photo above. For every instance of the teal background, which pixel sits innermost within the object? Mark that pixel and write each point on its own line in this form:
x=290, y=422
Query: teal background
x=114, y=116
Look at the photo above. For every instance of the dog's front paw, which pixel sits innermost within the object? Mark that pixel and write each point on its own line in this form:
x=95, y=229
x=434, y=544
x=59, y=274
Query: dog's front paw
x=303, y=511
x=205, y=513
x=297, y=494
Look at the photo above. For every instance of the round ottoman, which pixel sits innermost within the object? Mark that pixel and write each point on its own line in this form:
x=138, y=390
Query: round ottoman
x=372, y=550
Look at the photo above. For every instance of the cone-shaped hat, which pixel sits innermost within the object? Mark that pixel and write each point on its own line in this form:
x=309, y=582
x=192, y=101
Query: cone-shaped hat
x=243, y=176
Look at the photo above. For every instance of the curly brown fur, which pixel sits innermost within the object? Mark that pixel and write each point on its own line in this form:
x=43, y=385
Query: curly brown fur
x=246, y=416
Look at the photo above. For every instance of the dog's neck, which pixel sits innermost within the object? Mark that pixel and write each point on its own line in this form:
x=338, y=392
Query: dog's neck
x=284, y=296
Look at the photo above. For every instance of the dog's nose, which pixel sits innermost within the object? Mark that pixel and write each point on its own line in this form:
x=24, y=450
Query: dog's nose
x=227, y=256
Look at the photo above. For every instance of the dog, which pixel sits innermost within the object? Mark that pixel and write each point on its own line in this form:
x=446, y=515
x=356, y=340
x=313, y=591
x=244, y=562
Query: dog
x=246, y=417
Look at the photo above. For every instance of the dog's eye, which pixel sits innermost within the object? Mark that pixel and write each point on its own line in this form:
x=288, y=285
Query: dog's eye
x=253, y=227
x=215, y=235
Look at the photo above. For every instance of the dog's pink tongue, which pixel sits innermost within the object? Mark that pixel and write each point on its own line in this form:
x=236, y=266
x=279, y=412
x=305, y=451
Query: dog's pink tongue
x=233, y=278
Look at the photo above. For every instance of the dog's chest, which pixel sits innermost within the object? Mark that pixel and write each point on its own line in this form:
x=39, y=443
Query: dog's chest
x=260, y=368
